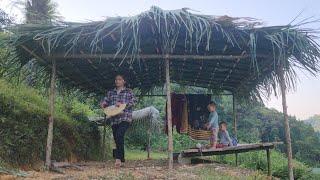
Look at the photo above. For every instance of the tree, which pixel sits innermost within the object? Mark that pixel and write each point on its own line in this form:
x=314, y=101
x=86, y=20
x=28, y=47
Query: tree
x=40, y=11
x=5, y=19
x=43, y=12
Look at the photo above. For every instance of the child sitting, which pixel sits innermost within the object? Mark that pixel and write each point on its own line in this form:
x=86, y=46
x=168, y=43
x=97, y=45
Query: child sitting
x=223, y=134
x=213, y=124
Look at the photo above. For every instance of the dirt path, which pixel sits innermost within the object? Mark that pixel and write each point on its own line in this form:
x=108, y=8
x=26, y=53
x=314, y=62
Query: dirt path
x=148, y=169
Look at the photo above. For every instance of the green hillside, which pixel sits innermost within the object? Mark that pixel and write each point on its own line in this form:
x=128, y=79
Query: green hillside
x=314, y=121
x=24, y=121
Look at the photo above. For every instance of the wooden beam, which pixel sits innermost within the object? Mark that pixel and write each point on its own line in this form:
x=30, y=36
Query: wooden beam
x=163, y=95
x=51, y=115
x=47, y=63
x=286, y=120
x=169, y=115
x=34, y=55
x=83, y=76
x=150, y=56
x=95, y=67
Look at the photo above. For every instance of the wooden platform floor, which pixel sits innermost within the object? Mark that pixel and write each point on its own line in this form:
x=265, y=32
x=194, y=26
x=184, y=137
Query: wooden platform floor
x=240, y=148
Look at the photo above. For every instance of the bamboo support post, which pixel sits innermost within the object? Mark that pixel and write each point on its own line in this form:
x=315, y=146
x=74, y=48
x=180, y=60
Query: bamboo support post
x=269, y=162
x=286, y=122
x=149, y=143
x=236, y=154
x=51, y=115
x=104, y=138
x=169, y=115
x=234, y=115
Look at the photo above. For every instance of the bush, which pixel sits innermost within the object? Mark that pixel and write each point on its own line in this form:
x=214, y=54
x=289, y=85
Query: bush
x=24, y=122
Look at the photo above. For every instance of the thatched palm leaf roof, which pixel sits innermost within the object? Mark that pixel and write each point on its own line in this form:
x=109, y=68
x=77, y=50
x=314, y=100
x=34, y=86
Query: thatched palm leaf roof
x=220, y=53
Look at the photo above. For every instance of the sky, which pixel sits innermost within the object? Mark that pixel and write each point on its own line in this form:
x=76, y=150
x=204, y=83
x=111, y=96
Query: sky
x=302, y=103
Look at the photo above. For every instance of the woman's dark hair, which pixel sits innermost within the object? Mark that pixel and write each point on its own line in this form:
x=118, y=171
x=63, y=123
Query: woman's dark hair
x=122, y=75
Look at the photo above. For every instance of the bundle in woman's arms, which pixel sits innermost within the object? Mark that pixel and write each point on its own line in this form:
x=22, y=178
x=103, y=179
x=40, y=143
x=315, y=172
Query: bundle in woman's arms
x=114, y=110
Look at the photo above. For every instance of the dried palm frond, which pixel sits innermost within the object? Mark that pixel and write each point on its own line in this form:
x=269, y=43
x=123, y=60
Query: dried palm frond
x=177, y=32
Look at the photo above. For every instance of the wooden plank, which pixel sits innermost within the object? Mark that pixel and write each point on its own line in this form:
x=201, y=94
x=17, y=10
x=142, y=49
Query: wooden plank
x=169, y=115
x=240, y=146
x=227, y=150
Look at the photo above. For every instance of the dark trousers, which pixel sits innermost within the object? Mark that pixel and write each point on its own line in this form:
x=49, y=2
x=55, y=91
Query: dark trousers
x=118, y=131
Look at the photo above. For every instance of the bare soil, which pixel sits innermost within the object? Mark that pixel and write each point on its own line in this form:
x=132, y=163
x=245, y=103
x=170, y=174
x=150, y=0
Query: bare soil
x=144, y=169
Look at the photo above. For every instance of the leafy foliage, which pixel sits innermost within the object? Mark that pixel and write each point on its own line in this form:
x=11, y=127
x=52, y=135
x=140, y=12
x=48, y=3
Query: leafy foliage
x=261, y=124
x=5, y=19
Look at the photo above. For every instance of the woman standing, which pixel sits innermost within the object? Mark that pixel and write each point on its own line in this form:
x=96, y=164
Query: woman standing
x=120, y=123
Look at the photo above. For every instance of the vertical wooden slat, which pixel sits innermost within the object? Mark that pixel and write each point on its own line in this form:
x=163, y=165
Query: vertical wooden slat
x=51, y=115
x=169, y=114
x=286, y=121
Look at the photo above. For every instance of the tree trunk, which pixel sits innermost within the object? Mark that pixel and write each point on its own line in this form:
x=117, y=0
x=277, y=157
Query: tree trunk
x=286, y=123
x=169, y=115
x=51, y=114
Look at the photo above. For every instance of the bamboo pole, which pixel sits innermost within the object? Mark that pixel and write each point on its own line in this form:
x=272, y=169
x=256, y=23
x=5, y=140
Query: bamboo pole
x=234, y=121
x=104, y=138
x=149, y=143
x=269, y=162
x=234, y=115
x=169, y=115
x=51, y=115
x=151, y=56
x=286, y=122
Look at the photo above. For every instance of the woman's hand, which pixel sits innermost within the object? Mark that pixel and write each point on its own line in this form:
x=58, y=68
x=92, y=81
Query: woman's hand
x=118, y=104
x=103, y=104
x=207, y=126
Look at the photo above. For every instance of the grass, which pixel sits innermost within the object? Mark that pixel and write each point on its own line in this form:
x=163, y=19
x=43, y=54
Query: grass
x=142, y=155
x=316, y=170
x=24, y=121
x=256, y=161
x=206, y=173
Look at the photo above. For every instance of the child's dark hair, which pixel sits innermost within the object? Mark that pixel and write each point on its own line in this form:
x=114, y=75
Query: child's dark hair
x=212, y=103
x=223, y=123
